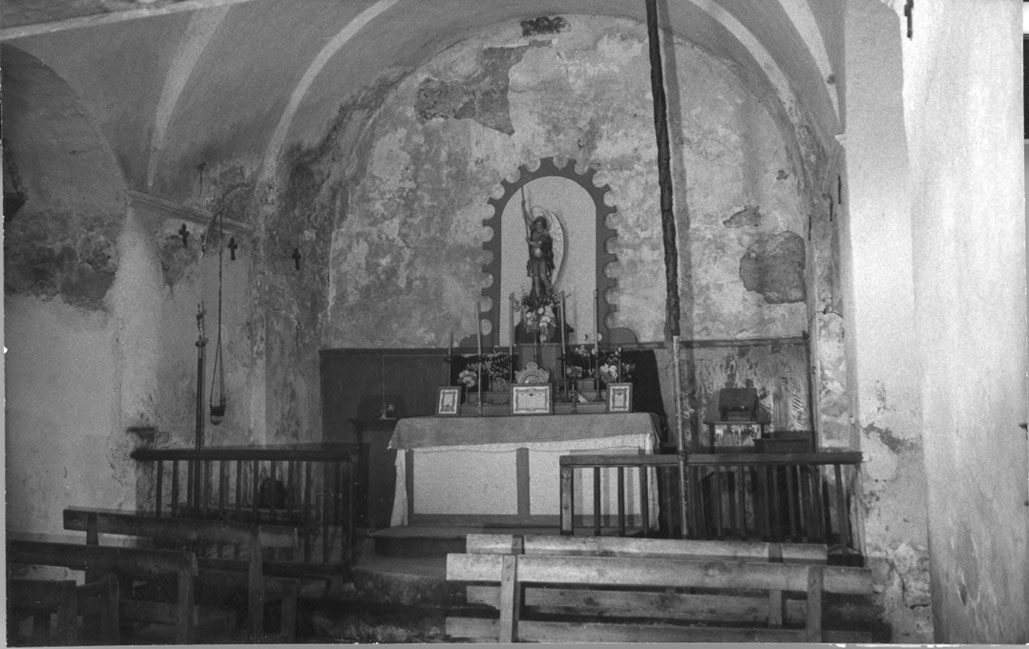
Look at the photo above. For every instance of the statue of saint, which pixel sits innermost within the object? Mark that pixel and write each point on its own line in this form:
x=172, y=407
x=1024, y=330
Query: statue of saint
x=540, y=266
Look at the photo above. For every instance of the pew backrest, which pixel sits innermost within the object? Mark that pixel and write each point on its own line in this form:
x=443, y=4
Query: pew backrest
x=136, y=562
x=667, y=579
x=256, y=538
x=549, y=544
x=215, y=531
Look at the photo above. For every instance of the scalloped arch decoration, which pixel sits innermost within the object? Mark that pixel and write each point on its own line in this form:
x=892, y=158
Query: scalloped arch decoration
x=492, y=268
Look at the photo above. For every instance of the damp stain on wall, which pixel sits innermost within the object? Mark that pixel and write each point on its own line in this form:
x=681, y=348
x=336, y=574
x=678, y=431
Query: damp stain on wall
x=51, y=254
x=749, y=216
x=481, y=97
x=774, y=267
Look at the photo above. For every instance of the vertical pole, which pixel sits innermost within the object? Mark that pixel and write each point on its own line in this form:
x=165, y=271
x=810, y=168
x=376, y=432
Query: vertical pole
x=680, y=437
x=199, y=437
x=672, y=314
x=511, y=333
x=478, y=335
x=657, y=83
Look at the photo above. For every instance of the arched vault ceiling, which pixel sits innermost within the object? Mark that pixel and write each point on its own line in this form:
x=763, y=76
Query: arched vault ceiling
x=239, y=79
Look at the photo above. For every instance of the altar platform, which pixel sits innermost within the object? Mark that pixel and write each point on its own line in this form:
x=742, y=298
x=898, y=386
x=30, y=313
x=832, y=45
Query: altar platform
x=502, y=471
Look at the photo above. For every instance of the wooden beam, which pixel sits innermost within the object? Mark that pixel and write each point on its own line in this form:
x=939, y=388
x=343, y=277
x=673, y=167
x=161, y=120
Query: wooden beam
x=189, y=529
x=493, y=544
x=657, y=572
x=21, y=19
x=681, y=548
x=135, y=561
x=643, y=604
x=577, y=632
x=166, y=210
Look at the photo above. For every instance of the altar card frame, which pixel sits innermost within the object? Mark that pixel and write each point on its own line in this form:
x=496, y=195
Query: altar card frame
x=448, y=401
x=619, y=397
x=532, y=399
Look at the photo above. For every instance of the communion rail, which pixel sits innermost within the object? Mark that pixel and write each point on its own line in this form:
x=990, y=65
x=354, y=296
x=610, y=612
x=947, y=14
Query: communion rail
x=801, y=497
x=308, y=486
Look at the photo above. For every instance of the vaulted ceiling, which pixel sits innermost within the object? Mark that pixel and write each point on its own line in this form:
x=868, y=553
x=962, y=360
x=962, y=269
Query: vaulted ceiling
x=172, y=84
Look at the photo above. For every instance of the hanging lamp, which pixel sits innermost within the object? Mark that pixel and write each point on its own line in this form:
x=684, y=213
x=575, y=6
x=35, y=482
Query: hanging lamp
x=217, y=401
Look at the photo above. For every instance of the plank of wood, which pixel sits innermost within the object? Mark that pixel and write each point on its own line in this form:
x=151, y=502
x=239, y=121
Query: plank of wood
x=132, y=561
x=510, y=599
x=657, y=573
x=815, y=588
x=683, y=548
x=493, y=544
x=579, y=632
x=186, y=529
x=642, y=604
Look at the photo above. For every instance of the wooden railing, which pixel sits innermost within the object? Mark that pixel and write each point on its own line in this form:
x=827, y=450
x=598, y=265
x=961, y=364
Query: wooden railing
x=308, y=486
x=802, y=497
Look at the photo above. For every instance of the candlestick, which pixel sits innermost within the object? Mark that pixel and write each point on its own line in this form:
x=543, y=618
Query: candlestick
x=596, y=340
x=564, y=345
x=450, y=357
x=478, y=333
x=511, y=332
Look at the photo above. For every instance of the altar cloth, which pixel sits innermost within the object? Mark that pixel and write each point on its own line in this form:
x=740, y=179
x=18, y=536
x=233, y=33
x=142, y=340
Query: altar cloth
x=468, y=466
x=418, y=432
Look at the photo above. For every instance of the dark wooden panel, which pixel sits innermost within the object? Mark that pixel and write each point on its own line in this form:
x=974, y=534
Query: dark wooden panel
x=356, y=386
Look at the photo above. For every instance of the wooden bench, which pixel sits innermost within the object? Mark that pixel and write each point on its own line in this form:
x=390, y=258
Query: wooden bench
x=64, y=601
x=123, y=562
x=567, y=589
x=246, y=568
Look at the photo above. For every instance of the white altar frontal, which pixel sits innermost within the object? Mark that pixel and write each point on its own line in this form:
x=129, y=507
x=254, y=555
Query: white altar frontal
x=505, y=470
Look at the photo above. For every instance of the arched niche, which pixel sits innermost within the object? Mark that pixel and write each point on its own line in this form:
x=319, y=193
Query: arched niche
x=580, y=250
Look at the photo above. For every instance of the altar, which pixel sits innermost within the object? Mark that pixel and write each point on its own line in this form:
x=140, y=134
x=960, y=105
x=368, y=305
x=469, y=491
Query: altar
x=505, y=470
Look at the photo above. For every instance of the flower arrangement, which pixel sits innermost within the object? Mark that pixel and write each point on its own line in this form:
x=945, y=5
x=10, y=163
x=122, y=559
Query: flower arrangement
x=469, y=378
x=581, y=363
x=495, y=367
x=539, y=314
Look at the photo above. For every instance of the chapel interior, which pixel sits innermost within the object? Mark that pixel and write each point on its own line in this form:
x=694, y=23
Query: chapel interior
x=385, y=264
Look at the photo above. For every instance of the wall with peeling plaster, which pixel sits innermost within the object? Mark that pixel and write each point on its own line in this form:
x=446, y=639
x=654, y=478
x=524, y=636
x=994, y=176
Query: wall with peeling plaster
x=962, y=102
x=100, y=303
x=60, y=261
x=407, y=256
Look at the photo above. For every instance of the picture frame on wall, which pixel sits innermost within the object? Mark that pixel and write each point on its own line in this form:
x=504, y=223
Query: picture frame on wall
x=619, y=397
x=532, y=399
x=448, y=401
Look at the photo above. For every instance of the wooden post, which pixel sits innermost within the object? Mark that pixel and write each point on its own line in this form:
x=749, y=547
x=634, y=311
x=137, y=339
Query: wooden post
x=567, y=500
x=255, y=588
x=187, y=621
x=680, y=438
x=510, y=599
x=815, y=580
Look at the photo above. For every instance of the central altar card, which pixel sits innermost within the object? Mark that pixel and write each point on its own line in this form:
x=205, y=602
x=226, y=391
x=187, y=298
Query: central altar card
x=531, y=400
